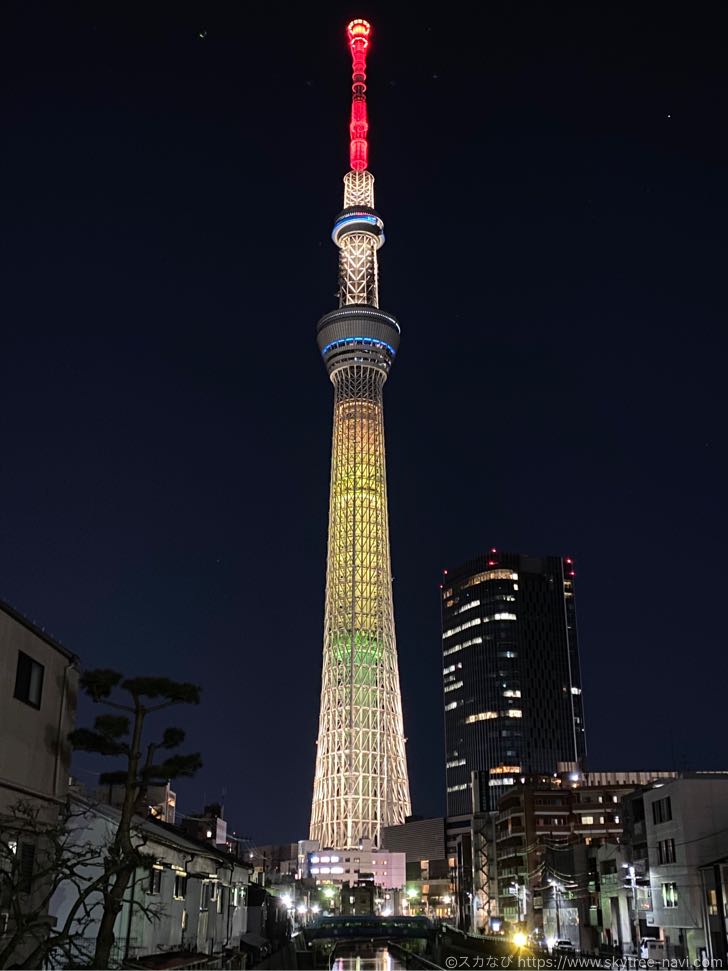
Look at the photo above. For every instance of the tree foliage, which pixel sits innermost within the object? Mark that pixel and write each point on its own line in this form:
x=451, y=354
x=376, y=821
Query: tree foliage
x=143, y=764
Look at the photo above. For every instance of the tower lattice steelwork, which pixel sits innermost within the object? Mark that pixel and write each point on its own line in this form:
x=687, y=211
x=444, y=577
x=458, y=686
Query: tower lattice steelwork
x=361, y=769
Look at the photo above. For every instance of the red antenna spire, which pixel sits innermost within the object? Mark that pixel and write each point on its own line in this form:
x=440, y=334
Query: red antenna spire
x=358, y=33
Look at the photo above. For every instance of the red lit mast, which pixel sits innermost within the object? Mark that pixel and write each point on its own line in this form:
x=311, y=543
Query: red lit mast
x=358, y=33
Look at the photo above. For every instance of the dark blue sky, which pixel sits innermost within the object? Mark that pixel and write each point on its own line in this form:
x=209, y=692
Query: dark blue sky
x=553, y=183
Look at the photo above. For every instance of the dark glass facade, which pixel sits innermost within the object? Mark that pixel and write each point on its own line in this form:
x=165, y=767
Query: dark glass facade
x=511, y=677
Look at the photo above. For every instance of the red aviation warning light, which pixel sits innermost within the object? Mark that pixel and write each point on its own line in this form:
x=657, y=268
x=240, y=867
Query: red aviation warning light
x=358, y=33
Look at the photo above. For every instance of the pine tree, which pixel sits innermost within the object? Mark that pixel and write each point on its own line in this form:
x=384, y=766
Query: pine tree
x=122, y=736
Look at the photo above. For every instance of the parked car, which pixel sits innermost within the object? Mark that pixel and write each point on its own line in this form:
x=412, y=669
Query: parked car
x=651, y=947
x=562, y=946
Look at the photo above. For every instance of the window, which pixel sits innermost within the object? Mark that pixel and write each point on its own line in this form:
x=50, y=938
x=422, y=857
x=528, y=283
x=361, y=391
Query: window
x=662, y=810
x=463, y=626
x=180, y=886
x=7, y=857
x=26, y=862
x=587, y=820
x=712, y=901
x=459, y=647
x=489, y=575
x=155, y=880
x=669, y=893
x=666, y=851
x=481, y=716
x=205, y=893
x=28, y=680
x=454, y=686
x=459, y=788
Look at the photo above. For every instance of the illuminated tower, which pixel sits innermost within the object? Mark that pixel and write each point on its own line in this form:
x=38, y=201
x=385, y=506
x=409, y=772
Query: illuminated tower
x=361, y=768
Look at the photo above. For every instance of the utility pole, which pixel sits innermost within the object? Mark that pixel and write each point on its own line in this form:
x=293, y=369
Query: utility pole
x=557, y=890
x=629, y=867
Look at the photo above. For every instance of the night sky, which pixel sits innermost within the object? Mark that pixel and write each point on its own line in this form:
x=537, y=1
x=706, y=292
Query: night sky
x=553, y=183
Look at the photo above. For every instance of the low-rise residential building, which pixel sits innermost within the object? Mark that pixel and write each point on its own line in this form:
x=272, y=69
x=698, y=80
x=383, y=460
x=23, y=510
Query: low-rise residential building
x=38, y=691
x=39, y=679
x=549, y=835
x=190, y=896
x=677, y=833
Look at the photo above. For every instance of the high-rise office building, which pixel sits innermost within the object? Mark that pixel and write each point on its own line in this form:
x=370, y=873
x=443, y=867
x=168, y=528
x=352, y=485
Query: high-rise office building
x=511, y=677
x=361, y=781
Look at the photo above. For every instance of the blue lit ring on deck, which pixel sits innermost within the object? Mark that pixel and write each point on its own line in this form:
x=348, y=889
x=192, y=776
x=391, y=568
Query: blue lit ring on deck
x=358, y=340
x=358, y=222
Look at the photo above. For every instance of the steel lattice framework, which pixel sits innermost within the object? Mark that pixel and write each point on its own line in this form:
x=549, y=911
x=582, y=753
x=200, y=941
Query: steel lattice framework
x=361, y=770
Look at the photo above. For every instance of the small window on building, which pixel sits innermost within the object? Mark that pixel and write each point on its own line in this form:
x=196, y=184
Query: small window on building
x=666, y=851
x=7, y=856
x=669, y=895
x=205, y=891
x=155, y=880
x=662, y=810
x=28, y=680
x=180, y=886
x=26, y=864
x=712, y=901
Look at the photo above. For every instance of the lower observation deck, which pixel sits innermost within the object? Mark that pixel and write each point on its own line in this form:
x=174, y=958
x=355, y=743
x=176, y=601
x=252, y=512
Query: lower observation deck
x=358, y=334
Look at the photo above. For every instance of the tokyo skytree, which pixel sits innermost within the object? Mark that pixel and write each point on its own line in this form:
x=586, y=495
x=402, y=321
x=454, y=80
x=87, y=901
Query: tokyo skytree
x=361, y=782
